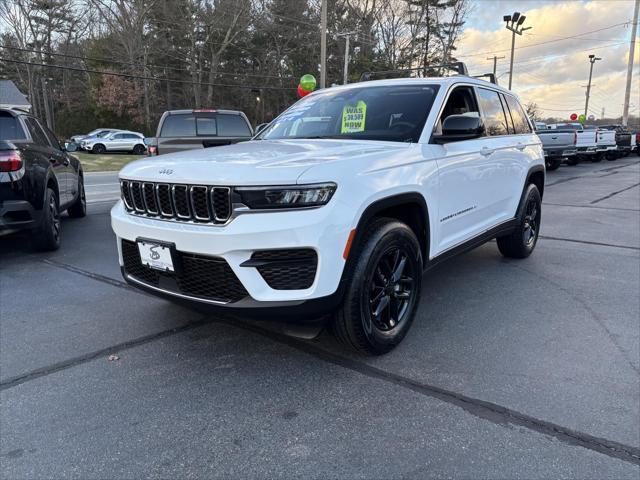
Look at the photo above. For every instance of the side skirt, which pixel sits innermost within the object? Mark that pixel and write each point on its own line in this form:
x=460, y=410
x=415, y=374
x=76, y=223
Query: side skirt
x=497, y=231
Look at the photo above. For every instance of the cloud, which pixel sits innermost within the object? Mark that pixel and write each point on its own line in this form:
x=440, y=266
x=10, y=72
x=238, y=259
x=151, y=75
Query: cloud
x=550, y=68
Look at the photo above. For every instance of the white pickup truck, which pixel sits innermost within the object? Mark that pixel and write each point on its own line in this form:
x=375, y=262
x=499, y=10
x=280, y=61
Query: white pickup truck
x=338, y=206
x=606, y=146
x=586, y=141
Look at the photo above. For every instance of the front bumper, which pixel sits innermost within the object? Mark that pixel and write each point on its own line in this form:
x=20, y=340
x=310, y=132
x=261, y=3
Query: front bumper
x=324, y=230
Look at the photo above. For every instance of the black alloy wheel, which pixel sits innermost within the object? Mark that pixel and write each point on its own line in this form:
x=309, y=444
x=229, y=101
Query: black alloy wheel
x=391, y=290
x=99, y=148
x=79, y=207
x=48, y=234
x=139, y=149
x=531, y=222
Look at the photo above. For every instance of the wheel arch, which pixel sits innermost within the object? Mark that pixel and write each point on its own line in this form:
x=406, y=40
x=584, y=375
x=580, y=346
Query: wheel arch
x=536, y=175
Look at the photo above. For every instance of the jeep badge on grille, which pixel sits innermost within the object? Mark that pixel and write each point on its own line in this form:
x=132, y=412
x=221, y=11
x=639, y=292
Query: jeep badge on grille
x=165, y=171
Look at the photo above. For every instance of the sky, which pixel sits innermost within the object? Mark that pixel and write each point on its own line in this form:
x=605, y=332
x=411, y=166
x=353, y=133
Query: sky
x=550, y=69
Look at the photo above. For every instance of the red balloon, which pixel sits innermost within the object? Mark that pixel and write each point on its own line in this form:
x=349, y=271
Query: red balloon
x=302, y=92
x=574, y=116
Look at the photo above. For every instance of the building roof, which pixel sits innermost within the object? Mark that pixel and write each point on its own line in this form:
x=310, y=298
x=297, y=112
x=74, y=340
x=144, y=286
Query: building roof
x=10, y=96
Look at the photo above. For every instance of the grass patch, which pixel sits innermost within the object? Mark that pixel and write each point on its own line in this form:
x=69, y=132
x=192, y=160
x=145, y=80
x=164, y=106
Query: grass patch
x=108, y=162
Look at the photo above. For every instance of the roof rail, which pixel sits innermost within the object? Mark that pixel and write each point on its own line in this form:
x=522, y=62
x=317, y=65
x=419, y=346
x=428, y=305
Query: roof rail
x=490, y=77
x=459, y=67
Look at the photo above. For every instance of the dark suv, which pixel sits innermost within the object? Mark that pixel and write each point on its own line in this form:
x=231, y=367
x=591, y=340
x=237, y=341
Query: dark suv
x=38, y=179
x=180, y=130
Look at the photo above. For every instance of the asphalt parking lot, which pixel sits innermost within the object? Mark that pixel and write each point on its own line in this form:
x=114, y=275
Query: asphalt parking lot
x=513, y=369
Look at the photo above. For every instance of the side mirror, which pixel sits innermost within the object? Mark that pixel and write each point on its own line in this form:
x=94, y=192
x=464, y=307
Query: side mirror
x=459, y=127
x=260, y=128
x=71, y=147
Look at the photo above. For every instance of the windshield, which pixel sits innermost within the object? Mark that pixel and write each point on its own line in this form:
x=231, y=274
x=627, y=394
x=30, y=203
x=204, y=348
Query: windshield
x=391, y=113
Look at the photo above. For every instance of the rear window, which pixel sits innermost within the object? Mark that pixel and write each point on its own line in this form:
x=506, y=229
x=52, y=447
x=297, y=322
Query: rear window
x=190, y=125
x=233, y=126
x=10, y=128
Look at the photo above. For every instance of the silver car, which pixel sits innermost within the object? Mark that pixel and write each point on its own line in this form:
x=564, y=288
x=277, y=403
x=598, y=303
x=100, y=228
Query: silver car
x=120, y=141
x=98, y=132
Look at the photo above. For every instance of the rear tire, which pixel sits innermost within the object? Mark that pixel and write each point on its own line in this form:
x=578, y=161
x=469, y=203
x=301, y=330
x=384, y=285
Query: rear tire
x=47, y=235
x=79, y=207
x=553, y=163
x=99, y=148
x=383, y=289
x=573, y=161
x=139, y=149
x=597, y=157
x=522, y=241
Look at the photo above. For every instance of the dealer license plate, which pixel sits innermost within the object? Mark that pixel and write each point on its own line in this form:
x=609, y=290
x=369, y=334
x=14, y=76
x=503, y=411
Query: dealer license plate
x=155, y=256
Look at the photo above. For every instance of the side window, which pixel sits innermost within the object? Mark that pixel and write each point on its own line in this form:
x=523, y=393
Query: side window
x=52, y=138
x=520, y=122
x=119, y=136
x=233, y=126
x=36, y=132
x=132, y=136
x=179, y=126
x=461, y=101
x=507, y=115
x=495, y=120
x=206, y=126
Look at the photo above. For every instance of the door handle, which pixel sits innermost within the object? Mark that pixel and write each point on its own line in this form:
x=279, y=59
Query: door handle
x=486, y=151
x=520, y=146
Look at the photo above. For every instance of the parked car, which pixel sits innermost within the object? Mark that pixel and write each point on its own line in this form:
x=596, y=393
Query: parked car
x=120, y=141
x=557, y=144
x=586, y=141
x=606, y=144
x=98, y=132
x=637, y=143
x=39, y=179
x=180, y=130
x=623, y=139
x=338, y=206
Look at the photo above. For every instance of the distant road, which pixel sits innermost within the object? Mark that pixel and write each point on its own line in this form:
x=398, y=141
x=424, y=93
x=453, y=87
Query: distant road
x=101, y=187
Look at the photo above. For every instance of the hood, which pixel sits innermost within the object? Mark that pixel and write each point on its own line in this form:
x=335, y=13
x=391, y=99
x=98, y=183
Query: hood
x=258, y=162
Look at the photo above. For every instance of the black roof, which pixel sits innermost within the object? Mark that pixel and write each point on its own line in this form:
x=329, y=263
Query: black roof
x=11, y=96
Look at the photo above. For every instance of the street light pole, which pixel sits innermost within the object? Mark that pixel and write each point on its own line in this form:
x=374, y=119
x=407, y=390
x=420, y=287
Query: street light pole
x=592, y=59
x=323, y=44
x=514, y=24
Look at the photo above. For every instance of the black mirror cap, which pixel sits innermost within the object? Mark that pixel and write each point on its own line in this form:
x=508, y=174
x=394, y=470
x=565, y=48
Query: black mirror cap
x=460, y=127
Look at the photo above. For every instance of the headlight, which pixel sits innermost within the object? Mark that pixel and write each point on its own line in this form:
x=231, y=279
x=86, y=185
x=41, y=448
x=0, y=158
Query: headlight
x=293, y=196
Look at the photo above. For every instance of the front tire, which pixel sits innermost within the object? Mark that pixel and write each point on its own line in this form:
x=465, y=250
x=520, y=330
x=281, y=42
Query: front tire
x=47, y=235
x=383, y=289
x=79, y=207
x=99, y=148
x=522, y=241
x=139, y=149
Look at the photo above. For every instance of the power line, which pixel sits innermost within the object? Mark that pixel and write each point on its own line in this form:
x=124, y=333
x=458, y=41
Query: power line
x=144, y=77
x=119, y=62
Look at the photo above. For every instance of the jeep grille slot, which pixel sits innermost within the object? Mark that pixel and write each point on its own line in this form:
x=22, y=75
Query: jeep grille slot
x=149, y=195
x=187, y=203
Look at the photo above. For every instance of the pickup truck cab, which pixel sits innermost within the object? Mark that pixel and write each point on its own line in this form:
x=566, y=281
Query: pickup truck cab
x=180, y=130
x=39, y=179
x=337, y=208
x=557, y=144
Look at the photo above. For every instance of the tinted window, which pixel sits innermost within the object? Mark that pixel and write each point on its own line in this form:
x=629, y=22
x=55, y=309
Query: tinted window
x=119, y=136
x=520, y=123
x=131, y=135
x=390, y=113
x=206, y=126
x=52, y=137
x=233, y=126
x=179, y=126
x=10, y=128
x=495, y=120
x=36, y=132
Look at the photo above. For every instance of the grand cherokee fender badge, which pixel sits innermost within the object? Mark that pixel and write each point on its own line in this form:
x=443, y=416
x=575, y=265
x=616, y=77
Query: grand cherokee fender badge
x=165, y=171
x=449, y=217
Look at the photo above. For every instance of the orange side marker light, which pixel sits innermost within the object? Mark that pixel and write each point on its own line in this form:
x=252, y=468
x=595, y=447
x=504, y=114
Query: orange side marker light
x=347, y=247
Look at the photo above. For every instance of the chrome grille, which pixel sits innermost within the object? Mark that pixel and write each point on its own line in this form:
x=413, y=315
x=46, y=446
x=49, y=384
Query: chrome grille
x=196, y=203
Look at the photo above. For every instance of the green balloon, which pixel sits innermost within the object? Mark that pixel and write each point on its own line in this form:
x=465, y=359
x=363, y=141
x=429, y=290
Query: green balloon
x=582, y=118
x=308, y=82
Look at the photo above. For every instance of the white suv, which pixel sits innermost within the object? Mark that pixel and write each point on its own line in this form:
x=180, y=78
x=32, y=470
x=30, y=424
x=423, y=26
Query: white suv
x=338, y=206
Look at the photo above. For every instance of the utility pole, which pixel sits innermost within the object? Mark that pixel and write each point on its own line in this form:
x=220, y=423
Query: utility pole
x=346, y=36
x=323, y=44
x=514, y=24
x=495, y=63
x=632, y=45
x=592, y=59
x=602, y=117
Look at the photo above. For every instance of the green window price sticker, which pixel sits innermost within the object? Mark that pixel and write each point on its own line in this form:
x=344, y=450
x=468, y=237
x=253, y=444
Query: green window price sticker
x=354, y=117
